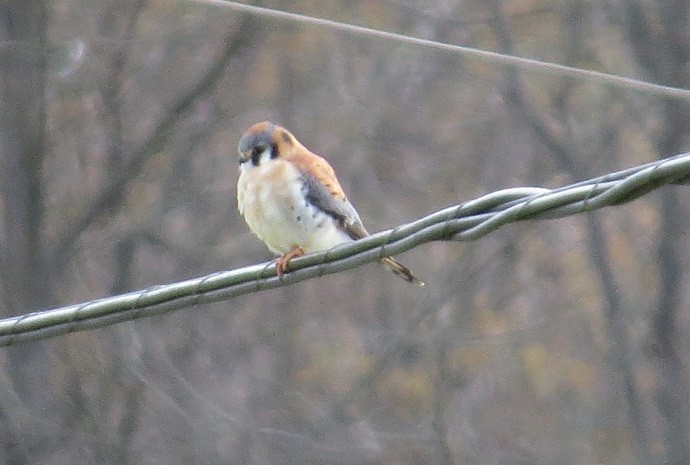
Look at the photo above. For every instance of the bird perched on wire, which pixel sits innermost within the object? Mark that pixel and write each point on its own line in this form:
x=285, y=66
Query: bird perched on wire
x=291, y=199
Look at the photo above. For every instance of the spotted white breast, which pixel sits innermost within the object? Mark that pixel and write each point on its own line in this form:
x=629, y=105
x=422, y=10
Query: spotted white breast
x=272, y=199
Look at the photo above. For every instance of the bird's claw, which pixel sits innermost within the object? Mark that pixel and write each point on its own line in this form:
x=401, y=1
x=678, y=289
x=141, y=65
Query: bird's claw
x=283, y=262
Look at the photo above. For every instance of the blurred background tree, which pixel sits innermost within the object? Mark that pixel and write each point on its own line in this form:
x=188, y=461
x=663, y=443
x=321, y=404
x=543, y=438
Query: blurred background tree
x=548, y=342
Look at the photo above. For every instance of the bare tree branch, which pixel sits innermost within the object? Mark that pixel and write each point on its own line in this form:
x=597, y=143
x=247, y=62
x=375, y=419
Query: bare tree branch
x=113, y=192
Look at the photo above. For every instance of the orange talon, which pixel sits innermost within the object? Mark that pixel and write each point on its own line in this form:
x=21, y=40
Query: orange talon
x=282, y=262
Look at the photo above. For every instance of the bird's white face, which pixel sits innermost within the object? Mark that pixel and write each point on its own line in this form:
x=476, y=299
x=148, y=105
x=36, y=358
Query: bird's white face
x=255, y=157
x=265, y=156
x=258, y=148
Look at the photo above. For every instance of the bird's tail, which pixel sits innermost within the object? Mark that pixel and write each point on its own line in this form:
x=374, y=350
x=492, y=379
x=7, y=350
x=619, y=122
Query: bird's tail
x=401, y=270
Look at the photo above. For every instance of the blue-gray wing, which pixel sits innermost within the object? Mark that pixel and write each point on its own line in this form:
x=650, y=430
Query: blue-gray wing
x=341, y=209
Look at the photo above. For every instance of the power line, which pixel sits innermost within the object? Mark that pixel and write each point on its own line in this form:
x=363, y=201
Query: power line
x=465, y=222
x=493, y=57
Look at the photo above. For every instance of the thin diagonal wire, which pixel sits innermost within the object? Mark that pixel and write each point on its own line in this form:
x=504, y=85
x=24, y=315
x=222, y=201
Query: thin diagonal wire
x=465, y=222
x=493, y=57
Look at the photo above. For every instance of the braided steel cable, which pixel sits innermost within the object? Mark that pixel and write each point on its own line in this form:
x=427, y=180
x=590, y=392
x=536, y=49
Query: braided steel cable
x=465, y=222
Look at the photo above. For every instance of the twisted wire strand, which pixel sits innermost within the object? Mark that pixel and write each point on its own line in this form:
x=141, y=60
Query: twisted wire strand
x=464, y=222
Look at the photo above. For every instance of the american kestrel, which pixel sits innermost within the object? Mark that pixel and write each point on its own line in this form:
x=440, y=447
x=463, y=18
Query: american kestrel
x=291, y=199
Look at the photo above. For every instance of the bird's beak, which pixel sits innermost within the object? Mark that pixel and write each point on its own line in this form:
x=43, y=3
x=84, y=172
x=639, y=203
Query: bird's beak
x=245, y=156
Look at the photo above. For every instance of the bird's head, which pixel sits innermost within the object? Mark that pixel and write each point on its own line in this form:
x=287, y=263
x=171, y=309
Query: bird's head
x=265, y=141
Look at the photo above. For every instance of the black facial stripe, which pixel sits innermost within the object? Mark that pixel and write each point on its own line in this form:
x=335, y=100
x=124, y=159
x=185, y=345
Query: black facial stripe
x=274, y=151
x=256, y=154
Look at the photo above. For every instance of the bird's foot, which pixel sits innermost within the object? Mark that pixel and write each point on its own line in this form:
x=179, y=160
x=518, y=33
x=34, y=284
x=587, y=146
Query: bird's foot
x=282, y=262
